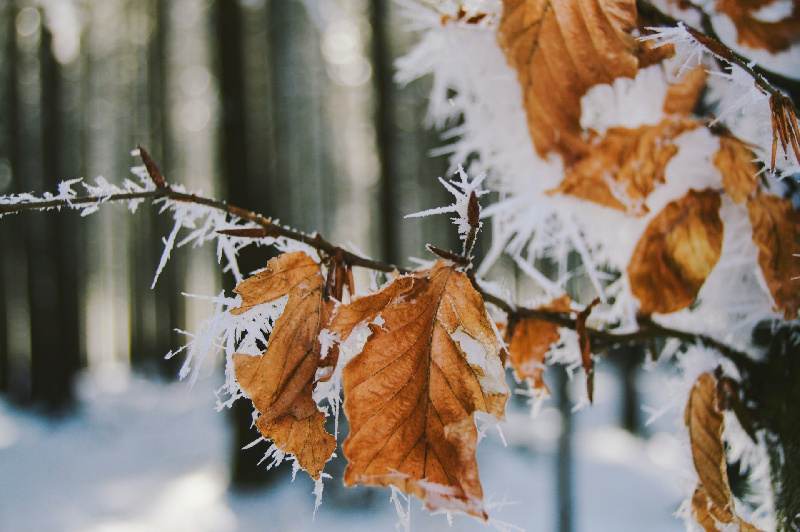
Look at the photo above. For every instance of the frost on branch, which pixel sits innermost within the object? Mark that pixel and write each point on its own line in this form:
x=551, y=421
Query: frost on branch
x=466, y=207
x=752, y=114
x=101, y=191
x=204, y=220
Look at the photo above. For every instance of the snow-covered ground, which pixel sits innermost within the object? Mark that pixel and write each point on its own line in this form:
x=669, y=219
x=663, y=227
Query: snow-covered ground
x=150, y=457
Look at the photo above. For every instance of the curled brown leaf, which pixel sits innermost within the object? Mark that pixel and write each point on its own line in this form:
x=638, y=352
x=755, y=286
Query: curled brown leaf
x=281, y=381
x=626, y=165
x=735, y=161
x=683, y=95
x=530, y=340
x=560, y=49
x=712, y=502
x=676, y=253
x=776, y=232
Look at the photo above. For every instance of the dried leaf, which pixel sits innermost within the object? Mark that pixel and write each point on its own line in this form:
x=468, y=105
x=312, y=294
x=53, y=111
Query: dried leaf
x=626, y=165
x=705, y=422
x=751, y=31
x=560, y=50
x=712, y=502
x=735, y=161
x=531, y=340
x=430, y=362
x=784, y=127
x=677, y=252
x=281, y=381
x=682, y=96
x=648, y=54
x=585, y=344
x=776, y=232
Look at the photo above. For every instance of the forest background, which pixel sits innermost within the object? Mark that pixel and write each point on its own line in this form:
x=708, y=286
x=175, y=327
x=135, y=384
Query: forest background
x=233, y=98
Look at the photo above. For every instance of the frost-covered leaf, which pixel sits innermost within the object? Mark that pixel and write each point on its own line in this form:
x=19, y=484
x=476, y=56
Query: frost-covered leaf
x=281, y=381
x=757, y=29
x=735, y=161
x=560, y=50
x=430, y=362
x=706, y=424
x=677, y=252
x=683, y=95
x=466, y=192
x=776, y=232
x=626, y=165
x=530, y=340
x=712, y=502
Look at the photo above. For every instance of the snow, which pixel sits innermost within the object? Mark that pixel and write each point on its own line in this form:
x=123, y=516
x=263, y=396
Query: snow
x=153, y=457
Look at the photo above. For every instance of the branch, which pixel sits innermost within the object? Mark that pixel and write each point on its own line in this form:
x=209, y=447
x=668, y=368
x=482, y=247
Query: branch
x=709, y=39
x=14, y=208
x=785, y=127
x=648, y=330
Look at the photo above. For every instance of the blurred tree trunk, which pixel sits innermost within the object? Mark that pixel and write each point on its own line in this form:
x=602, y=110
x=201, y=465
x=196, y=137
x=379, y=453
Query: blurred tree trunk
x=245, y=188
x=7, y=110
x=630, y=359
x=41, y=344
x=156, y=312
x=408, y=172
x=53, y=253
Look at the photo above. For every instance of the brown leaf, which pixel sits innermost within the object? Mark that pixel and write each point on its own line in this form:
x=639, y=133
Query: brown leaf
x=585, y=344
x=776, y=232
x=784, y=127
x=430, y=362
x=677, y=252
x=560, y=50
x=734, y=160
x=649, y=54
x=750, y=31
x=531, y=340
x=682, y=96
x=281, y=381
x=706, y=424
x=712, y=502
x=707, y=514
x=626, y=165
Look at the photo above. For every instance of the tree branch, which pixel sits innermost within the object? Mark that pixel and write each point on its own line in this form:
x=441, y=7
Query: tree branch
x=648, y=329
x=711, y=41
